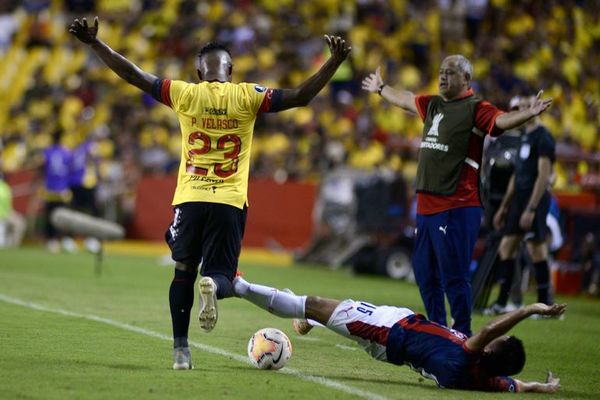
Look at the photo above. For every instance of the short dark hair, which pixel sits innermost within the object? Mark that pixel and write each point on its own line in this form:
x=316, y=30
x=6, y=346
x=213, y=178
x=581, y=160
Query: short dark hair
x=508, y=358
x=211, y=47
x=57, y=135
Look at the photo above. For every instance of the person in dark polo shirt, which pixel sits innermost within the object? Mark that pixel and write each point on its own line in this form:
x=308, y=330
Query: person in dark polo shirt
x=448, y=203
x=522, y=213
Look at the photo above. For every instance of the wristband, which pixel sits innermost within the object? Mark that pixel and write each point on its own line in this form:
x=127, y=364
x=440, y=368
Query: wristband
x=531, y=208
x=380, y=88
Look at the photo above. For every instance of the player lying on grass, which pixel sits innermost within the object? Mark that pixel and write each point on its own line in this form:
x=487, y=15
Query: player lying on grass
x=398, y=335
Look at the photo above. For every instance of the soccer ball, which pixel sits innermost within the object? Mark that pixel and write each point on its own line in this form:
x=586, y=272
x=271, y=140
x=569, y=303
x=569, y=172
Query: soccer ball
x=269, y=348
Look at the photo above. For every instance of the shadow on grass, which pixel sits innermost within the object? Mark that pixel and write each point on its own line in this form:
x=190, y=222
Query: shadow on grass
x=116, y=366
x=422, y=383
x=573, y=394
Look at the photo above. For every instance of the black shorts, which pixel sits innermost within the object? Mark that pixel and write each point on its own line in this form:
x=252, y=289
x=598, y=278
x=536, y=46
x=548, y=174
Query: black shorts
x=84, y=200
x=210, y=233
x=537, y=232
x=50, y=230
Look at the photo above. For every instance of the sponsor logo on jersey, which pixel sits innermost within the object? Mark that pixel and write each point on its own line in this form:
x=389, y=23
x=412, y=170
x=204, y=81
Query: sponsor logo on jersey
x=260, y=89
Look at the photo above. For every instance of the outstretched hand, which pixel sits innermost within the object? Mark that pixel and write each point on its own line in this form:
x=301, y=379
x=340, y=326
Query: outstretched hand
x=552, y=383
x=372, y=82
x=83, y=32
x=539, y=106
x=545, y=309
x=338, y=47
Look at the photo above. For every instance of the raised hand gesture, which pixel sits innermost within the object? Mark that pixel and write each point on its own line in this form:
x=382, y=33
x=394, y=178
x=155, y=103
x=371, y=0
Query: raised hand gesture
x=83, y=32
x=338, y=47
x=373, y=82
x=539, y=106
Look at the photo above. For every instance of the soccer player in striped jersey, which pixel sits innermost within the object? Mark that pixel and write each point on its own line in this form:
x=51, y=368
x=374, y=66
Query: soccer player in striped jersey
x=399, y=336
x=216, y=118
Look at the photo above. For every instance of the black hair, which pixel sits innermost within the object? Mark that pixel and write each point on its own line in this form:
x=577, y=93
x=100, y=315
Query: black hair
x=507, y=358
x=211, y=47
x=57, y=135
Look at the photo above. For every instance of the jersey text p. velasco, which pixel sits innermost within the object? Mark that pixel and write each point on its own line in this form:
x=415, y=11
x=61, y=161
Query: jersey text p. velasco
x=217, y=126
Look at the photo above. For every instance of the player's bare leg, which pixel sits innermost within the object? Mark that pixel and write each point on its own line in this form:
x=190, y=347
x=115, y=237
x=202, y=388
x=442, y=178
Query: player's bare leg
x=303, y=325
x=318, y=310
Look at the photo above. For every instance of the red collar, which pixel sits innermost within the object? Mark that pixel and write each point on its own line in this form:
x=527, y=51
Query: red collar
x=468, y=93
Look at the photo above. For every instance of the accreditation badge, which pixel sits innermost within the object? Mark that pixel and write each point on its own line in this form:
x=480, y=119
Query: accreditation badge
x=524, y=151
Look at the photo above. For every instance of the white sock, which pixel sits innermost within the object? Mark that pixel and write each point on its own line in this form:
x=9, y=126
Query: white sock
x=312, y=322
x=274, y=301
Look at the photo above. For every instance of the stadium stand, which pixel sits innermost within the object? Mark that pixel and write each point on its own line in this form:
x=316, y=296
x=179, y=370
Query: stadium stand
x=516, y=47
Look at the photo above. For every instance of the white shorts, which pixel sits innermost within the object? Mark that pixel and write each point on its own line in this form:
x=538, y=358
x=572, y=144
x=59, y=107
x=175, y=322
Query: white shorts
x=366, y=324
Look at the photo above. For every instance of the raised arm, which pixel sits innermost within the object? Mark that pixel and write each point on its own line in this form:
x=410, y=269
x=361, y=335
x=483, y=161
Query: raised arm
x=513, y=119
x=504, y=323
x=551, y=385
x=303, y=94
x=400, y=98
x=127, y=70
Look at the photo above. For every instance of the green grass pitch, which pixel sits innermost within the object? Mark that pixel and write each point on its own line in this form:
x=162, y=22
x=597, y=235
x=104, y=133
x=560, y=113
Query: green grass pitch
x=66, y=333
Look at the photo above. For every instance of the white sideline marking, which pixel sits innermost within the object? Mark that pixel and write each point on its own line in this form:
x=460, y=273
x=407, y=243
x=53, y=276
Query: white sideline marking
x=209, y=349
x=344, y=347
x=307, y=338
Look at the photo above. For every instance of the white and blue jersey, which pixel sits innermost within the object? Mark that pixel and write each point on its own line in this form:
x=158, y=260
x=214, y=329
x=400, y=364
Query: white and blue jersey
x=399, y=336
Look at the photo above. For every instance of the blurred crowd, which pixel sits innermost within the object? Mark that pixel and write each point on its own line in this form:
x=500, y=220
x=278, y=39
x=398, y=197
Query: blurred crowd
x=49, y=80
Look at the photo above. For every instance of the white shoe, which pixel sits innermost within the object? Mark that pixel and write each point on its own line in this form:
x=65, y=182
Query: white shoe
x=208, y=314
x=538, y=317
x=53, y=246
x=69, y=245
x=182, y=358
x=510, y=307
x=495, y=309
x=92, y=245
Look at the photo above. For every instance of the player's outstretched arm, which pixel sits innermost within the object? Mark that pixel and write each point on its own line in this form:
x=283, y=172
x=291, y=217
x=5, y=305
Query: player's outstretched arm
x=502, y=324
x=514, y=119
x=400, y=98
x=127, y=70
x=304, y=93
x=551, y=385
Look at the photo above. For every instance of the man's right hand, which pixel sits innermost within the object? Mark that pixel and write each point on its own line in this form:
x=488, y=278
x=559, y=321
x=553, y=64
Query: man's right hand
x=338, y=47
x=83, y=32
x=373, y=82
x=499, y=217
x=545, y=309
x=539, y=105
